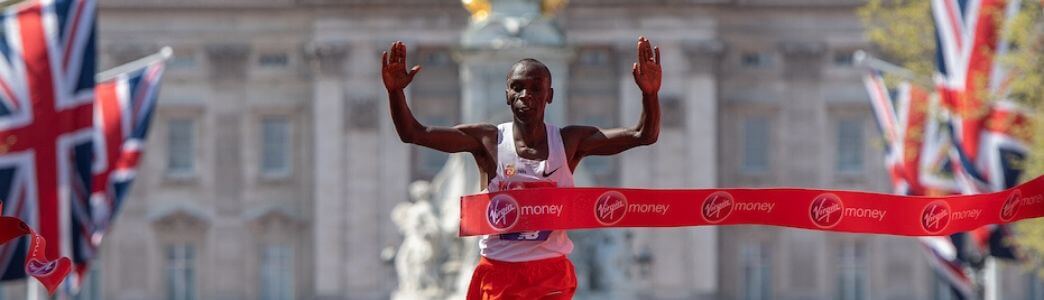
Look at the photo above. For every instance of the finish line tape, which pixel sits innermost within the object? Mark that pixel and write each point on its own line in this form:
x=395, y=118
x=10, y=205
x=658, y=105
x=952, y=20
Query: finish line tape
x=826, y=210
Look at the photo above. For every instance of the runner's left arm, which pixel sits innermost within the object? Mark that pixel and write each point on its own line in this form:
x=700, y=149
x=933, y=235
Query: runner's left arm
x=597, y=141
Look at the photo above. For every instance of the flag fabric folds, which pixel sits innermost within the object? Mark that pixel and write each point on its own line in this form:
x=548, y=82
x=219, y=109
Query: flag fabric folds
x=69, y=146
x=123, y=110
x=916, y=157
x=974, y=141
x=47, y=66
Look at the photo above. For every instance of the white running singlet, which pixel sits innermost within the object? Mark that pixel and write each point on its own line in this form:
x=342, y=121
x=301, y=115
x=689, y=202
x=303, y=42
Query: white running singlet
x=514, y=172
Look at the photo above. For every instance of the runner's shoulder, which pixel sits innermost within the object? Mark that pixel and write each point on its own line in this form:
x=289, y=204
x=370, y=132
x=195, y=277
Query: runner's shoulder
x=480, y=131
x=577, y=131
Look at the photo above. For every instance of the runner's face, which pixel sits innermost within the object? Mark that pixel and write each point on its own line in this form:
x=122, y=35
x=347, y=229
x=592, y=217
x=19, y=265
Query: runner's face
x=528, y=92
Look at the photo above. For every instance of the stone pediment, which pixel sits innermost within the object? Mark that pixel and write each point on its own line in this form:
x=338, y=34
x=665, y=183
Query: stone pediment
x=273, y=213
x=179, y=215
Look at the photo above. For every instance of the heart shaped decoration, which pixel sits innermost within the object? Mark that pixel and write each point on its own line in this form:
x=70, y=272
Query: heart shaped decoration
x=49, y=273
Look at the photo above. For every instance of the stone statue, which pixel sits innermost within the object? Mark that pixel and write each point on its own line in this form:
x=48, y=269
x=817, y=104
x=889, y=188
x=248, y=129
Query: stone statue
x=416, y=260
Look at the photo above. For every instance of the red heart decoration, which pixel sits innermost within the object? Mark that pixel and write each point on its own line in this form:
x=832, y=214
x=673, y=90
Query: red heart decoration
x=49, y=273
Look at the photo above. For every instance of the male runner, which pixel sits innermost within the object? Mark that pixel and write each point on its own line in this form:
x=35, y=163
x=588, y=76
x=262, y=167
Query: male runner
x=521, y=154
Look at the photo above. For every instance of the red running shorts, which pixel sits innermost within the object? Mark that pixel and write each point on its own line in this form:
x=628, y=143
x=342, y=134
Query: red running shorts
x=552, y=278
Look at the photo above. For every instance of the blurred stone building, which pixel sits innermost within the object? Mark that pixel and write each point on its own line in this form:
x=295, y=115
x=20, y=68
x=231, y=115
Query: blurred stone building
x=272, y=165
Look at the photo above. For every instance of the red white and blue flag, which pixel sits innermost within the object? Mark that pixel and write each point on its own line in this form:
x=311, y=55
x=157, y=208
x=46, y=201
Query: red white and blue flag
x=918, y=161
x=987, y=129
x=47, y=66
x=123, y=111
x=974, y=87
x=916, y=148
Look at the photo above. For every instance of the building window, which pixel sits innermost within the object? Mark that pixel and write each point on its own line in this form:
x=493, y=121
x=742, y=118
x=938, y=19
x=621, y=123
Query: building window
x=672, y=113
x=181, y=275
x=275, y=146
x=844, y=58
x=755, y=60
x=438, y=58
x=852, y=276
x=181, y=147
x=594, y=57
x=182, y=62
x=277, y=272
x=756, y=145
x=273, y=60
x=757, y=272
x=849, y=146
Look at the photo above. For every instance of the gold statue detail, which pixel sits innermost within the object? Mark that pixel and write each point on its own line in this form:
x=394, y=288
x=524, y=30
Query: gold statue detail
x=480, y=9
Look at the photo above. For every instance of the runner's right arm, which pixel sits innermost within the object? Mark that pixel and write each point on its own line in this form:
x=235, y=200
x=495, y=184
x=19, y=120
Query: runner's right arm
x=460, y=138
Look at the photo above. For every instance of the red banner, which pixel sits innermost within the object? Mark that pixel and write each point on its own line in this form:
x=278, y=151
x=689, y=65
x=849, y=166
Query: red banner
x=841, y=211
x=50, y=273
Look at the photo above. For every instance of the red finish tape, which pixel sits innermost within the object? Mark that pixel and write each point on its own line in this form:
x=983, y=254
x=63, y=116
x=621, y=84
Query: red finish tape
x=827, y=210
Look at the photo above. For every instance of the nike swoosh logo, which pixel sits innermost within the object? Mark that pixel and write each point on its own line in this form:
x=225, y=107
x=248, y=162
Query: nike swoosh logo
x=546, y=174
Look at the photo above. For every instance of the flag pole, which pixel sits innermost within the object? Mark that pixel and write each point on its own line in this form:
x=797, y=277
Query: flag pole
x=163, y=54
x=32, y=289
x=991, y=280
x=861, y=58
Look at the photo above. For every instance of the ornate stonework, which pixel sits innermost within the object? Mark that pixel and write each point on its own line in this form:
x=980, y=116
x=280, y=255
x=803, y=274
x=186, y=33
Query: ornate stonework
x=328, y=58
x=228, y=61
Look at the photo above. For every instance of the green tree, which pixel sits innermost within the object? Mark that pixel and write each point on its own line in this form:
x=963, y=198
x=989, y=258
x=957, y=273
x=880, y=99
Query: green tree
x=902, y=32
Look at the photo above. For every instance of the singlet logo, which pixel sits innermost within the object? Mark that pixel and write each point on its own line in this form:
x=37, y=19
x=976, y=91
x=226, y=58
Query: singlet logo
x=717, y=206
x=610, y=208
x=510, y=170
x=502, y=212
x=826, y=210
x=935, y=216
x=1011, y=206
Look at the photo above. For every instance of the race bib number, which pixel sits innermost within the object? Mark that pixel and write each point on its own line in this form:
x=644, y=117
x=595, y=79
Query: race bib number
x=526, y=236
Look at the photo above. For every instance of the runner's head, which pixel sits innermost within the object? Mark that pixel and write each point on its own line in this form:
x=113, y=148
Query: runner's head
x=529, y=90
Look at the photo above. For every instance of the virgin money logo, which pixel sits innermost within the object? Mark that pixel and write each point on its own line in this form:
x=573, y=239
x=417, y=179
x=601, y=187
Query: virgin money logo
x=610, y=208
x=1011, y=206
x=935, y=217
x=826, y=210
x=502, y=212
x=717, y=206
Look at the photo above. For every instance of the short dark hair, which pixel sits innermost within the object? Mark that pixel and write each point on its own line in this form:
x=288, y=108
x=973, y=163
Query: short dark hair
x=532, y=62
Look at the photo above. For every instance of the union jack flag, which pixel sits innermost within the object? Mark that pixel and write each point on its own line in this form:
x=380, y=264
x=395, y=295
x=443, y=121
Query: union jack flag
x=916, y=148
x=122, y=113
x=47, y=66
x=984, y=124
x=917, y=160
x=969, y=74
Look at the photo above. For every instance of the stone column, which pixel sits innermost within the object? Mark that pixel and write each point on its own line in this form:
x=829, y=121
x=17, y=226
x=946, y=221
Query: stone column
x=634, y=169
x=701, y=127
x=328, y=65
x=802, y=126
x=393, y=159
x=803, y=115
x=221, y=128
